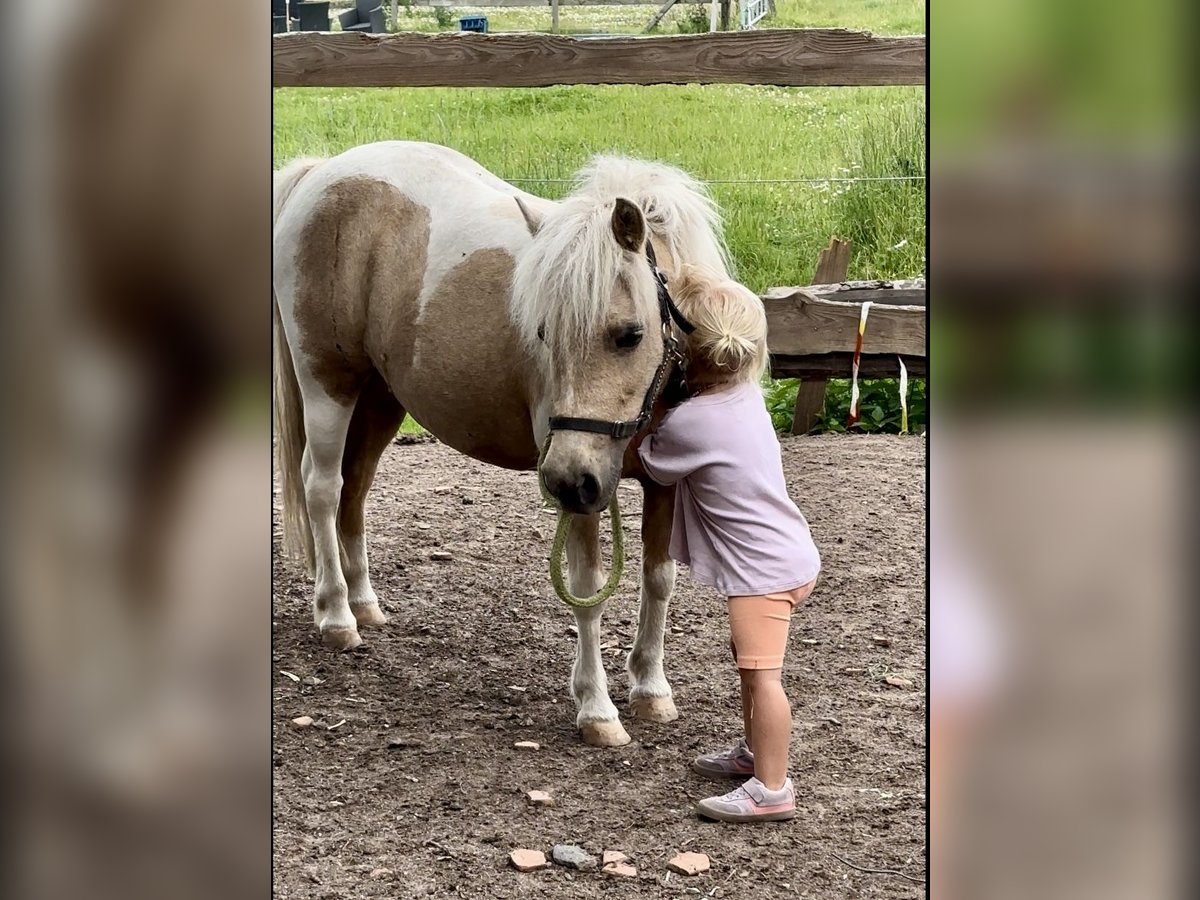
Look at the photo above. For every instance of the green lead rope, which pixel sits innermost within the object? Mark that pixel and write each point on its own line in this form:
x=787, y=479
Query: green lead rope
x=557, y=575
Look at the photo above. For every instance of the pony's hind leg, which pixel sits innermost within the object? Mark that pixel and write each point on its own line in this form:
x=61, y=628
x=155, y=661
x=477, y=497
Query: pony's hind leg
x=649, y=692
x=326, y=422
x=596, y=718
x=377, y=416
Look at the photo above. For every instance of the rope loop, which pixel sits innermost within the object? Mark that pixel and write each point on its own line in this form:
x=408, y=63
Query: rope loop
x=557, y=573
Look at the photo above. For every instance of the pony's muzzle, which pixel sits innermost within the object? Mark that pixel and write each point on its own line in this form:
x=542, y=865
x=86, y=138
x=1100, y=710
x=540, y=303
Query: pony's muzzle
x=576, y=492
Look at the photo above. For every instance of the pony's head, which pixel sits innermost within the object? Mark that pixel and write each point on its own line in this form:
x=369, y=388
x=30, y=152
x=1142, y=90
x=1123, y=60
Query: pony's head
x=585, y=306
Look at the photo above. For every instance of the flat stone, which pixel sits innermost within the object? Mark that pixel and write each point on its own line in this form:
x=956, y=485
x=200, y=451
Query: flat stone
x=527, y=860
x=613, y=856
x=539, y=798
x=379, y=872
x=897, y=681
x=689, y=863
x=880, y=641
x=572, y=857
x=405, y=743
x=527, y=745
x=441, y=555
x=620, y=869
x=303, y=721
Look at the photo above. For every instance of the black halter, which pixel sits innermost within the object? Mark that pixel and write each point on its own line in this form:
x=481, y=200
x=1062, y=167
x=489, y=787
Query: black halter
x=672, y=356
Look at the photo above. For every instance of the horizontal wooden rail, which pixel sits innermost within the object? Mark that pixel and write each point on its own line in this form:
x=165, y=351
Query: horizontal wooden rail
x=811, y=336
x=893, y=293
x=798, y=57
x=840, y=365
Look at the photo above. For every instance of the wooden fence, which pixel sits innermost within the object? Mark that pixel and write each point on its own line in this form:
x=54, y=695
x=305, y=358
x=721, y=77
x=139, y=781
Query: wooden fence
x=800, y=58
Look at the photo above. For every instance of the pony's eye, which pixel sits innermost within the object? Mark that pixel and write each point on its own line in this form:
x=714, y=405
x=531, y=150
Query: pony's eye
x=627, y=336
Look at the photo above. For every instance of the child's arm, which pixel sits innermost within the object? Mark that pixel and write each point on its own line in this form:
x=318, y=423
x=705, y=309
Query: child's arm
x=670, y=451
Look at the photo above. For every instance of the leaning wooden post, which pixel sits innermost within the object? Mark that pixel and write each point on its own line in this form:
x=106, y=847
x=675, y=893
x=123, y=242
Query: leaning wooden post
x=662, y=11
x=395, y=15
x=833, y=265
x=554, y=16
x=726, y=6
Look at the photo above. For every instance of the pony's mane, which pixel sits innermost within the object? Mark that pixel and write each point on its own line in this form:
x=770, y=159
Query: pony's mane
x=679, y=209
x=562, y=283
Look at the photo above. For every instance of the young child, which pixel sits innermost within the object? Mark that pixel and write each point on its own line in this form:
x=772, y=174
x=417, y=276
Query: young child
x=737, y=529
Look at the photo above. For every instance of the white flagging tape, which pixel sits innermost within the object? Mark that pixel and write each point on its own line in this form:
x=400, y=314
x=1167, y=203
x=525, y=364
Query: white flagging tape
x=903, y=397
x=858, y=344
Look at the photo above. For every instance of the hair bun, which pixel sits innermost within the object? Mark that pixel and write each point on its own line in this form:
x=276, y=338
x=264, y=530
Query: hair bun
x=732, y=351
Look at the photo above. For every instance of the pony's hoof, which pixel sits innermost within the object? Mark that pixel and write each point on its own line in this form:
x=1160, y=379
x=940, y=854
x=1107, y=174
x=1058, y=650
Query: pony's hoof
x=654, y=709
x=604, y=734
x=341, y=638
x=369, y=616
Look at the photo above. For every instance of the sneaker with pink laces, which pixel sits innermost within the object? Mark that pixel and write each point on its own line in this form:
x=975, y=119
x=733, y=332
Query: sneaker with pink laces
x=752, y=802
x=734, y=762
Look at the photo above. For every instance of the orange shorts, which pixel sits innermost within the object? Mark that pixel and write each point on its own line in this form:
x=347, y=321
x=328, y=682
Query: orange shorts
x=759, y=627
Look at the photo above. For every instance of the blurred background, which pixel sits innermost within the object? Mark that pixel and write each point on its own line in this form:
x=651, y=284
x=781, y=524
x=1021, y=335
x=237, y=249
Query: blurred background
x=137, y=448
x=1062, y=359
x=136, y=441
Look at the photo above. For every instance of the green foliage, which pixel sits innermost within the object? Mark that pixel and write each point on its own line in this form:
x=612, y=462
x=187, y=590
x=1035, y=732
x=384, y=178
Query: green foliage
x=445, y=16
x=693, y=20
x=878, y=405
x=780, y=396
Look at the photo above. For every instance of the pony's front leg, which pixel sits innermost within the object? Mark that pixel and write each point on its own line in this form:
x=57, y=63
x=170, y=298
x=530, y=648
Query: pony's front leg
x=649, y=692
x=597, y=716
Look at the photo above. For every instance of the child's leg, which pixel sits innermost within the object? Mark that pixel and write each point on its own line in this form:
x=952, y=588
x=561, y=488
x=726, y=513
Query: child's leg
x=759, y=627
x=747, y=709
x=770, y=724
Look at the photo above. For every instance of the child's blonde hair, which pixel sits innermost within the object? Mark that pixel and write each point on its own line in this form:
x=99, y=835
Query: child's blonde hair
x=730, y=340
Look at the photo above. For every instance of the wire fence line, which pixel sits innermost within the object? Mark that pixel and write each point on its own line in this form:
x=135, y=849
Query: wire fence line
x=752, y=180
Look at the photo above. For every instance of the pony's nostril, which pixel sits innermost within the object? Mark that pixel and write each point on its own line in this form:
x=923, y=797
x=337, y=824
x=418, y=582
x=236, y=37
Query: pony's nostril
x=589, y=489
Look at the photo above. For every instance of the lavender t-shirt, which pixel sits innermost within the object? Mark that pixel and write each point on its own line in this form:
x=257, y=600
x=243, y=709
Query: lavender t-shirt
x=735, y=526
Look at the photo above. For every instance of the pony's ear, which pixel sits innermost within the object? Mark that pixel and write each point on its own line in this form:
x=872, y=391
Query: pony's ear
x=532, y=220
x=629, y=225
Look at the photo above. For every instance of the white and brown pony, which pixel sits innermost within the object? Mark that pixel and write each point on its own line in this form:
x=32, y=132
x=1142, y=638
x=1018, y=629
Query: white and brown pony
x=409, y=278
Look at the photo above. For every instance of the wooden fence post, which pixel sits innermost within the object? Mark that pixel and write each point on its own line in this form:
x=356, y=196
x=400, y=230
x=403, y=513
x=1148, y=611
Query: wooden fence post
x=726, y=6
x=833, y=265
x=554, y=16
x=658, y=16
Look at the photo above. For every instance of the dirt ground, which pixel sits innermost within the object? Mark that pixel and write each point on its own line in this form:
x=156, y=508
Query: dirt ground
x=477, y=656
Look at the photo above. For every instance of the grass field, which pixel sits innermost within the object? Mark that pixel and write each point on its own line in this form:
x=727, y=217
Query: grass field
x=753, y=144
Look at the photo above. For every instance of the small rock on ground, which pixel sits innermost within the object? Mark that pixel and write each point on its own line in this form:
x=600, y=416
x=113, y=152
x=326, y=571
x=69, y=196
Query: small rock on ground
x=539, y=798
x=380, y=872
x=880, y=640
x=441, y=555
x=303, y=721
x=613, y=856
x=688, y=863
x=897, y=681
x=527, y=745
x=620, y=869
x=527, y=860
x=405, y=743
x=572, y=857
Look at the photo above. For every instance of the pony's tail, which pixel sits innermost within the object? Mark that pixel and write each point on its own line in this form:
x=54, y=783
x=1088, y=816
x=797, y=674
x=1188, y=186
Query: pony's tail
x=288, y=404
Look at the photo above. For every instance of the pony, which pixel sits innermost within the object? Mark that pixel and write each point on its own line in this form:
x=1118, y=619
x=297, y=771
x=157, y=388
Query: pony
x=408, y=278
